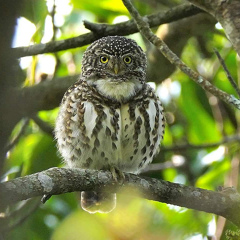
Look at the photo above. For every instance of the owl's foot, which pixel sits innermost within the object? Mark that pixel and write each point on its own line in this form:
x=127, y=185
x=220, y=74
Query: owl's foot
x=101, y=202
x=117, y=175
x=45, y=198
x=227, y=190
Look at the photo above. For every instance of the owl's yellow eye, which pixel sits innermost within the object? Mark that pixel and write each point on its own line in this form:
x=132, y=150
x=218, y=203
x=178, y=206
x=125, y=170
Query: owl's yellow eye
x=127, y=60
x=104, y=59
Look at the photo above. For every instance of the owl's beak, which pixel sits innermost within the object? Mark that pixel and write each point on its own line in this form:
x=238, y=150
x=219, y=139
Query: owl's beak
x=116, y=68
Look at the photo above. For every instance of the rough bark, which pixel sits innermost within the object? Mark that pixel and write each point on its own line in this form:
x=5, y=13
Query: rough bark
x=228, y=14
x=101, y=30
x=61, y=180
x=176, y=35
x=8, y=13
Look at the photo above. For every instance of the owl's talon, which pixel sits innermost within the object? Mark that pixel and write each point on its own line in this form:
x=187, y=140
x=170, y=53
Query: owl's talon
x=227, y=190
x=117, y=175
x=45, y=198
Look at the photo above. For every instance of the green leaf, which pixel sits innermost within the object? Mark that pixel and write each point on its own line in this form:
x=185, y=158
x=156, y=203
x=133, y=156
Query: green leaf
x=36, y=151
x=101, y=8
x=201, y=127
x=35, y=11
x=214, y=177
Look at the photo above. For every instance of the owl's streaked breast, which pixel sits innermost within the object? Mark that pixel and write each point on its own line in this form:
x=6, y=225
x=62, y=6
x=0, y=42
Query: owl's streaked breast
x=110, y=119
x=97, y=135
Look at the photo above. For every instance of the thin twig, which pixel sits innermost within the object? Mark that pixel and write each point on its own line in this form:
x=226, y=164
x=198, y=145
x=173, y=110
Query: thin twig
x=144, y=28
x=188, y=146
x=19, y=216
x=45, y=127
x=156, y=167
x=52, y=13
x=95, y=27
x=228, y=74
x=20, y=134
x=124, y=28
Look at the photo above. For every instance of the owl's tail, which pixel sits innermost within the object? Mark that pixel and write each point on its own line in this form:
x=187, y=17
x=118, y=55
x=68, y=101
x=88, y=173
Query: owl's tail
x=102, y=202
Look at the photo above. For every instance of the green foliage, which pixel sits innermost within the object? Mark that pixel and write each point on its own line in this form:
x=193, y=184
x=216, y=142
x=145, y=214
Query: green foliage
x=191, y=106
x=195, y=119
x=132, y=219
x=232, y=235
x=36, y=152
x=35, y=11
x=101, y=8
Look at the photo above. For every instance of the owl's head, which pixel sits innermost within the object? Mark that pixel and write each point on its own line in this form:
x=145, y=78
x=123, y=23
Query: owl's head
x=116, y=66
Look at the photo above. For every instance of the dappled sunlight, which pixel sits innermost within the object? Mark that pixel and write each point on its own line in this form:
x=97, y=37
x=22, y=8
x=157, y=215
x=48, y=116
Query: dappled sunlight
x=168, y=90
x=81, y=225
x=131, y=220
x=24, y=32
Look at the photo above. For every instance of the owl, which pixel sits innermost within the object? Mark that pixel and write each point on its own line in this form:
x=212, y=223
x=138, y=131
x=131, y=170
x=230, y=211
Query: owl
x=110, y=119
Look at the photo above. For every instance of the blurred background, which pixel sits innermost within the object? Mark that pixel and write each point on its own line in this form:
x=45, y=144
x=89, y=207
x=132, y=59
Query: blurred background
x=200, y=147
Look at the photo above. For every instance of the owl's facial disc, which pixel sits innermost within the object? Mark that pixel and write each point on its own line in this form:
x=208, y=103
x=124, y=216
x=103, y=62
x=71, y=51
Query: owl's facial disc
x=117, y=78
x=114, y=66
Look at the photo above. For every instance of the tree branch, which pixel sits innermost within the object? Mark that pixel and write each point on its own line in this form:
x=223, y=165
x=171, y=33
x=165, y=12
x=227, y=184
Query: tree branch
x=157, y=167
x=8, y=11
x=227, y=13
x=43, y=96
x=188, y=146
x=101, y=30
x=19, y=135
x=174, y=59
x=181, y=30
x=44, y=126
x=229, y=76
x=62, y=180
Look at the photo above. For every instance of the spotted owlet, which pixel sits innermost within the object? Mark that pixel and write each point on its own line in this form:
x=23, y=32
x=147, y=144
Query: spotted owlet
x=110, y=118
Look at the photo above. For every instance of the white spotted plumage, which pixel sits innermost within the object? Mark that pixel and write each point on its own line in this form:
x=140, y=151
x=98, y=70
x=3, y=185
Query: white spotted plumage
x=124, y=156
x=110, y=118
